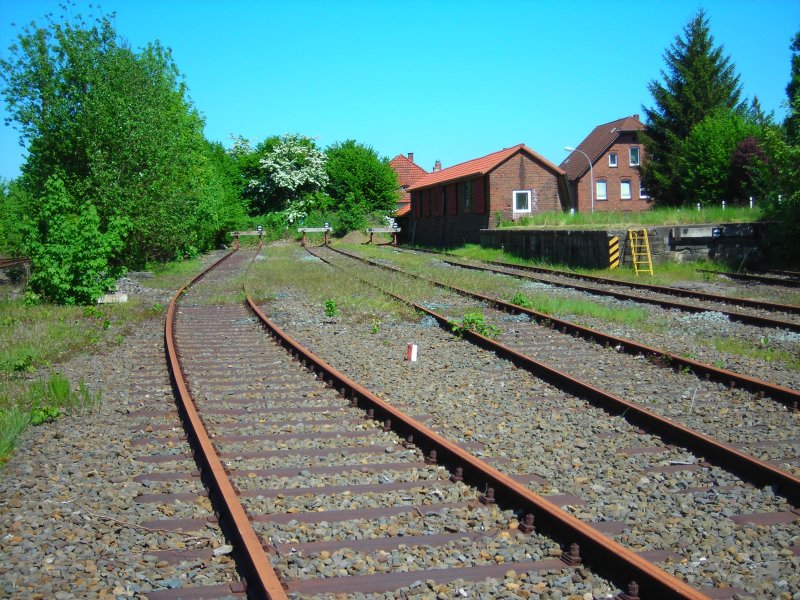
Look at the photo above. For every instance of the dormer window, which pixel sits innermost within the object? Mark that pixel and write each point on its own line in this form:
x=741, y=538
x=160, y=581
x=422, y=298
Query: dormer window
x=612, y=159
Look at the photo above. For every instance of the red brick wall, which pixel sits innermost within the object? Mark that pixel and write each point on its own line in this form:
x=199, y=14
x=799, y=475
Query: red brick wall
x=521, y=172
x=613, y=177
x=490, y=193
x=457, y=226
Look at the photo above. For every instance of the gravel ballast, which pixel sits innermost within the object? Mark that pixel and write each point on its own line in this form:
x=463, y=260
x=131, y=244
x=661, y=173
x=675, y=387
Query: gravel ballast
x=73, y=529
x=527, y=426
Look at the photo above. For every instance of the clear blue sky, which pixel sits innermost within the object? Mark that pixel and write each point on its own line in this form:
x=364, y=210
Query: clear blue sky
x=447, y=81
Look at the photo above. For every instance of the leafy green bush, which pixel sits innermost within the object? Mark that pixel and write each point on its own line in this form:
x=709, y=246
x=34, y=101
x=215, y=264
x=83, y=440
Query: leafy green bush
x=476, y=321
x=330, y=308
x=352, y=215
x=72, y=260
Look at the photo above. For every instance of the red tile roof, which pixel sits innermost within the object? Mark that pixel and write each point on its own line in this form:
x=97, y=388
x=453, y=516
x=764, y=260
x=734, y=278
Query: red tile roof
x=596, y=143
x=480, y=166
x=407, y=173
x=407, y=170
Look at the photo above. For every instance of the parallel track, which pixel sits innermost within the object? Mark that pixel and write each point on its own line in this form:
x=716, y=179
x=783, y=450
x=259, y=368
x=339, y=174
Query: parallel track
x=719, y=301
x=227, y=365
x=743, y=465
x=750, y=277
x=780, y=393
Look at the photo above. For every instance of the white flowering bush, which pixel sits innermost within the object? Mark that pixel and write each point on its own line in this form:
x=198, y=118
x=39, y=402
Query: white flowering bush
x=293, y=168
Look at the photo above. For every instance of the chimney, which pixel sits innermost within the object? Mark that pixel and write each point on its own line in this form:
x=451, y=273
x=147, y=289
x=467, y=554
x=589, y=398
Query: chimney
x=437, y=166
x=411, y=156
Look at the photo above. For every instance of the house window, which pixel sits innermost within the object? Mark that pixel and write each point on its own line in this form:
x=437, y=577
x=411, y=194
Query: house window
x=634, y=156
x=612, y=159
x=625, y=189
x=466, y=194
x=643, y=195
x=522, y=201
x=600, y=189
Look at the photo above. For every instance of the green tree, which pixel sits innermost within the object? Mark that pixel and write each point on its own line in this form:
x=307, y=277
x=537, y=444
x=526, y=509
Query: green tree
x=792, y=122
x=706, y=159
x=782, y=206
x=698, y=80
x=71, y=255
x=12, y=210
x=357, y=175
x=290, y=168
x=117, y=128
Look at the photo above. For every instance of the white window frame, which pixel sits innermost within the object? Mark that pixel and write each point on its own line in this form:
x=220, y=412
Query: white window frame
x=638, y=156
x=643, y=195
x=597, y=195
x=613, y=160
x=622, y=195
x=514, y=202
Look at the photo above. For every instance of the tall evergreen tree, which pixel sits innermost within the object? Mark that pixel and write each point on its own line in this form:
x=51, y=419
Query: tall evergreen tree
x=698, y=80
x=792, y=122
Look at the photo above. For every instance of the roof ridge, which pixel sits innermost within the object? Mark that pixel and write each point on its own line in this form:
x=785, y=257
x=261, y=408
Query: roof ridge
x=482, y=165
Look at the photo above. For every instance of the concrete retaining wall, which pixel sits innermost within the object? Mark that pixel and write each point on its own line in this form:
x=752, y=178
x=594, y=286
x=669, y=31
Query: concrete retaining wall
x=581, y=248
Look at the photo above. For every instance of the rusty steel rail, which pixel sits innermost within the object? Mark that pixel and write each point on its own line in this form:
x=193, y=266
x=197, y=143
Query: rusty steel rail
x=743, y=465
x=261, y=579
x=609, y=558
x=732, y=315
x=658, y=289
x=752, y=277
x=8, y=263
x=791, y=274
x=782, y=394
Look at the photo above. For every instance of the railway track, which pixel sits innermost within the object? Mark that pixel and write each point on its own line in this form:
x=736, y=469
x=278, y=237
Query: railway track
x=8, y=263
x=760, y=313
x=781, y=393
x=781, y=278
x=736, y=463
x=336, y=502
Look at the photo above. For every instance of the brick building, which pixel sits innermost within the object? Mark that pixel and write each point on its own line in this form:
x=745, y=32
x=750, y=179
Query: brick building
x=615, y=150
x=408, y=172
x=449, y=207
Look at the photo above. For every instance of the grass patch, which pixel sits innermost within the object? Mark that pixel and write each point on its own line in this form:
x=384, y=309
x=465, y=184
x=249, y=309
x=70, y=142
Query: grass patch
x=41, y=335
x=760, y=351
x=501, y=286
x=172, y=275
x=25, y=403
x=544, y=303
x=652, y=217
x=287, y=268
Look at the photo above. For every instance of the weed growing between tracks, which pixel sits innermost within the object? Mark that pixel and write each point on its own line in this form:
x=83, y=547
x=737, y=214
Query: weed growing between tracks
x=501, y=286
x=760, y=351
x=287, y=268
x=24, y=403
x=35, y=337
x=563, y=307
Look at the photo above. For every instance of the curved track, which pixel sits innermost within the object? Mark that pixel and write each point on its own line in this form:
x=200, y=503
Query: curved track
x=292, y=461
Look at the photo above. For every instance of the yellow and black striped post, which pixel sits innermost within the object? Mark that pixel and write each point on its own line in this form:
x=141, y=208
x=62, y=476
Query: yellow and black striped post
x=613, y=252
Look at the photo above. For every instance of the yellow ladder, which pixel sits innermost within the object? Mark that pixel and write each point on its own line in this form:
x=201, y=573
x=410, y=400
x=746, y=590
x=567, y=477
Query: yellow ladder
x=640, y=251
